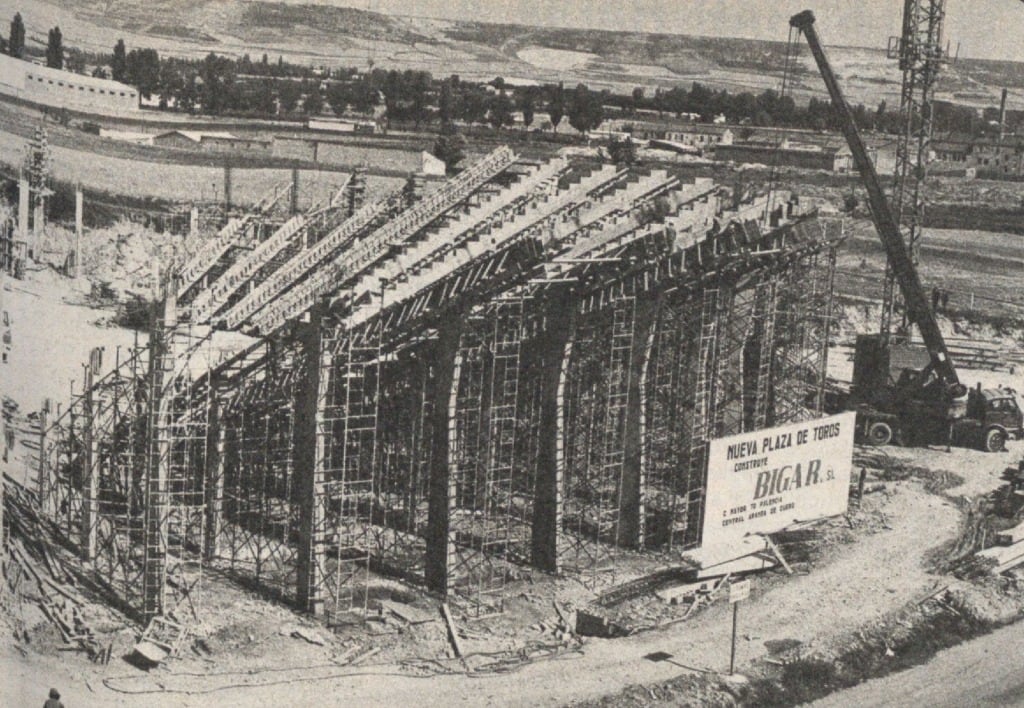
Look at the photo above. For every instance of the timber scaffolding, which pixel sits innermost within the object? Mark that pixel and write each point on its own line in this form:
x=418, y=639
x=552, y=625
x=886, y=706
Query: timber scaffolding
x=521, y=369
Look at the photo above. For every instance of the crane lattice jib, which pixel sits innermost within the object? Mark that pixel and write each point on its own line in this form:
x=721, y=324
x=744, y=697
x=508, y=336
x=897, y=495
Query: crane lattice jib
x=920, y=54
x=918, y=307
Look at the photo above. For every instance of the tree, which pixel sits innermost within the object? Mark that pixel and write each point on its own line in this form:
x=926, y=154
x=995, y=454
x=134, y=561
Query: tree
x=170, y=84
x=527, y=104
x=450, y=146
x=217, y=79
x=622, y=152
x=474, y=104
x=264, y=102
x=143, y=71
x=556, y=105
x=119, y=64
x=637, y=99
x=446, y=103
x=501, y=111
x=55, y=49
x=288, y=93
x=314, y=103
x=189, y=95
x=585, y=111
x=16, y=45
x=338, y=97
x=364, y=96
x=99, y=73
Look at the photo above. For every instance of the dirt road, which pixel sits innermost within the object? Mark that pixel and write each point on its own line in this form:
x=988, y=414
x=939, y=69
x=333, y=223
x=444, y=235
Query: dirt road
x=983, y=672
x=810, y=609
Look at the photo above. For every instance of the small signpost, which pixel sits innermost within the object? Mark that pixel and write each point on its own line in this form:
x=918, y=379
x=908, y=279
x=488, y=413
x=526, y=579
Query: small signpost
x=738, y=591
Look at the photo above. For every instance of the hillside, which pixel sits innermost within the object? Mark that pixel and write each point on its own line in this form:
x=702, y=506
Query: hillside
x=330, y=35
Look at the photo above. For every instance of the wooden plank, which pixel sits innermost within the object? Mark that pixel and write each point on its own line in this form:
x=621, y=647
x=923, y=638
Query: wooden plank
x=453, y=635
x=1001, y=554
x=746, y=564
x=778, y=554
x=412, y=615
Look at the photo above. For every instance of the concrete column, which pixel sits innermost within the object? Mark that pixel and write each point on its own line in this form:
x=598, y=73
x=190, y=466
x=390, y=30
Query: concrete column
x=214, y=483
x=555, y=347
x=38, y=225
x=227, y=188
x=43, y=472
x=161, y=369
x=193, y=221
x=310, y=398
x=631, y=526
x=78, y=232
x=440, y=549
x=90, y=461
x=23, y=199
x=294, y=204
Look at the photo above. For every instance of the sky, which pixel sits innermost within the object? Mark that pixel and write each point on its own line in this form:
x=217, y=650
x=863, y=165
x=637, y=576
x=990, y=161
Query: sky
x=984, y=29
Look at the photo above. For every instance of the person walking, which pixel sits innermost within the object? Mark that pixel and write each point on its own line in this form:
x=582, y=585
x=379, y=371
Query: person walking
x=54, y=700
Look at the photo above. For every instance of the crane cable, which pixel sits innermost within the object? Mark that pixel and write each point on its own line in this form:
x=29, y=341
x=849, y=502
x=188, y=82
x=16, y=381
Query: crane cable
x=773, y=174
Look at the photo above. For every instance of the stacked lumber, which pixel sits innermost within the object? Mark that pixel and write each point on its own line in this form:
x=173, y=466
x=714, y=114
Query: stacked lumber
x=37, y=574
x=1005, y=557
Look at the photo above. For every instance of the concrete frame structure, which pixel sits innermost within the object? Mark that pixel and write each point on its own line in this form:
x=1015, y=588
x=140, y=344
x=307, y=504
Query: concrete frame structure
x=522, y=368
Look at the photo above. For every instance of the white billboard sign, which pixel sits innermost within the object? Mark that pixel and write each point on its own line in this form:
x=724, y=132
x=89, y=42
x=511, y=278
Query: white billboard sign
x=739, y=591
x=763, y=481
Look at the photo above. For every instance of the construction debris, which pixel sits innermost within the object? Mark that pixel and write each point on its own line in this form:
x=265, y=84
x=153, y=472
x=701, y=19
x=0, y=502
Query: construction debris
x=595, y=622
x=1010, y=536
x=161, y=640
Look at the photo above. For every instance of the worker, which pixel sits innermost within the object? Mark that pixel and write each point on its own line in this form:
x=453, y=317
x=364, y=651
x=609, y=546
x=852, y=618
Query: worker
x=945, y=300
x=935, y=299
x=54, y=700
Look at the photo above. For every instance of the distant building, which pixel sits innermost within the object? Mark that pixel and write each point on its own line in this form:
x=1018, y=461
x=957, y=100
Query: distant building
x=696, y=135
x=214, y=141
x=989, y=158
x=127, y=136
x=831, y=158
x=431, y=166
x=63, y=89
x=347, y=125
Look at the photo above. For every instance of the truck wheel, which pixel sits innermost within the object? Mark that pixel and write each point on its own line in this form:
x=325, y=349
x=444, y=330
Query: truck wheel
x=879, y=433
x=995, y=440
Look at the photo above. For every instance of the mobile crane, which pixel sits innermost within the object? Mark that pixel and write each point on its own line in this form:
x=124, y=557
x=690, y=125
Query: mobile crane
x=926, y=404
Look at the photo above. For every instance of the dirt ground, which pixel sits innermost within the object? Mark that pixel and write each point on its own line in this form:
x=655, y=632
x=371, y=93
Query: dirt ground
x=868, y=568
x=253, y=652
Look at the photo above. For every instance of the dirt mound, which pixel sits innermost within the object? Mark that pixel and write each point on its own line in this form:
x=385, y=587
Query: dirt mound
x=126, y=258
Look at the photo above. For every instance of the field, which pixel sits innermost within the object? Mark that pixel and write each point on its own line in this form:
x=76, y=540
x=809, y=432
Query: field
x=989, y=270
x=322, y=34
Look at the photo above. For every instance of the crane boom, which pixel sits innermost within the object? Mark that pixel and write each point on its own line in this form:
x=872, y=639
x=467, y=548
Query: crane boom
x=918, y=308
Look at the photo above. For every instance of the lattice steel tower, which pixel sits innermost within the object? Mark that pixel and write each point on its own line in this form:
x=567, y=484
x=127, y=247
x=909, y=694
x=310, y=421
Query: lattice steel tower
x=920, y=54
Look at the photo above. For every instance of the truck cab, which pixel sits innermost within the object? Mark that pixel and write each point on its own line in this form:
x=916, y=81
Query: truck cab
x=993, y=417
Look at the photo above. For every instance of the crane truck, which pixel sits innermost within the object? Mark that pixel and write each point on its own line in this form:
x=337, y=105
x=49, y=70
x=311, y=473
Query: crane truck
x=902, y=392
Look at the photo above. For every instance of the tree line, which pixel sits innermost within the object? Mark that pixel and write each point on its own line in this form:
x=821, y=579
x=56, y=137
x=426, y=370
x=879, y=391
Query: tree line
x=222, y=85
